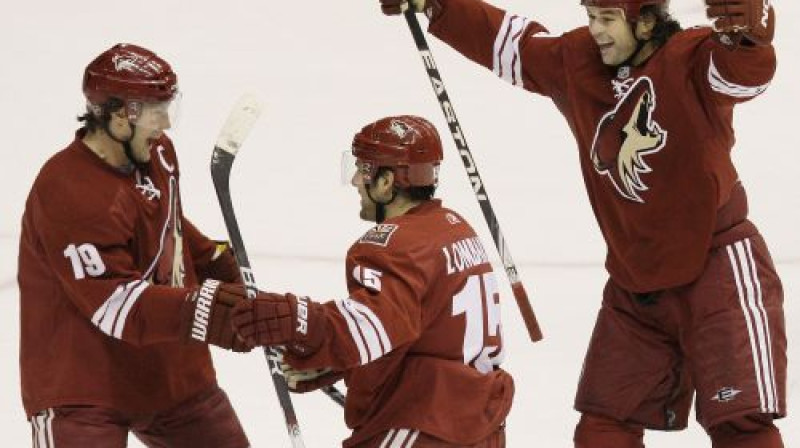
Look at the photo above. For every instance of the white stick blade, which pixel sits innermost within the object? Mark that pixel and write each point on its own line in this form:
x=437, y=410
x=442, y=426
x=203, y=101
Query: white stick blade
x=239, y=123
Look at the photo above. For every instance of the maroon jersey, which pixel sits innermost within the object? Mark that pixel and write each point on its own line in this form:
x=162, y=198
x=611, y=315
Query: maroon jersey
x=105, y=262
x=420, y=334
x=654, y=140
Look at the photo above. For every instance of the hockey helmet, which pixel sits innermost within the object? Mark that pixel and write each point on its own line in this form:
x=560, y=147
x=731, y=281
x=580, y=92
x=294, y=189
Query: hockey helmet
x=409, y=145
x=631, y=8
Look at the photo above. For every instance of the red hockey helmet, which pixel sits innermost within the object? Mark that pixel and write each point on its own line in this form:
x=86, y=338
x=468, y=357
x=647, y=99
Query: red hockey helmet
x=407, y=144
x=130, y=73
x=632, y=8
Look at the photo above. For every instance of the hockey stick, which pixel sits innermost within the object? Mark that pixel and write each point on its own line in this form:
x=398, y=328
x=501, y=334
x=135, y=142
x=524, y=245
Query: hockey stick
x=233, y=133
x=520, y=295
x=238, y=125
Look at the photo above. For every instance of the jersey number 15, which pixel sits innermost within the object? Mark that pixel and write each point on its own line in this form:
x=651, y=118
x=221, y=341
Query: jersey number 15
x=479, y=301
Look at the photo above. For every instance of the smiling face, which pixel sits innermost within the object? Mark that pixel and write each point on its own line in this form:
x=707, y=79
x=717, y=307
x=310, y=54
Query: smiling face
x=613, y=34
x=153, y=120
x=367, y=212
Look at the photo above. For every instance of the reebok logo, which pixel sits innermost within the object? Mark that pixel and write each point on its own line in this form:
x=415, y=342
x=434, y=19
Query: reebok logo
x=202, y=310
x=302, y=315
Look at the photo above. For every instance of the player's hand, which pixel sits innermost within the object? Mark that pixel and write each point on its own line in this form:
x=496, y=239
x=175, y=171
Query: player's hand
x=301, y=381
x=223, y=265
x=281, y=319
x=206, y=315
x=394, y=7
x=733, y=20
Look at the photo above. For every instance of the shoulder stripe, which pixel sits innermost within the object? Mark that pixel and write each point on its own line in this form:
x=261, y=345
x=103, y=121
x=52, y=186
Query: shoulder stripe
x=725, y=87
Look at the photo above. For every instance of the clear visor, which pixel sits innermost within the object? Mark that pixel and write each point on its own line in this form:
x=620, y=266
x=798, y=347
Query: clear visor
x=349, y=167
x=156, y=116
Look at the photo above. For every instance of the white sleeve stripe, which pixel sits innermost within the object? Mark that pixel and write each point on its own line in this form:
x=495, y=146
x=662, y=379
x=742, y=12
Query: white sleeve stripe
x=126, y=308
x=354, y=332
x=725, y=87
x=110, y=317
x=388, y=438
x=412, y=438
x=506, y=62
x=400, y=439
x=499, y=45
x=368, y=329
x=386, y=343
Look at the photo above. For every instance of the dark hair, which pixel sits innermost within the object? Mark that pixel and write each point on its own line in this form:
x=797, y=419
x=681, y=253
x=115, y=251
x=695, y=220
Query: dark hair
x=414, y=193
x=93, y=121
x=666, y=25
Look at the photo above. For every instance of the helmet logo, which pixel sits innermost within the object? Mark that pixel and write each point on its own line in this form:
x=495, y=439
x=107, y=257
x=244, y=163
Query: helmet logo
x=399, y=128
x=136, y=63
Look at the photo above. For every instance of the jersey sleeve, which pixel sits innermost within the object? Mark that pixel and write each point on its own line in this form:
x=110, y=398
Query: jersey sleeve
x=727, y=77
x=88, y=248
x=382, y=314
x=513, y=47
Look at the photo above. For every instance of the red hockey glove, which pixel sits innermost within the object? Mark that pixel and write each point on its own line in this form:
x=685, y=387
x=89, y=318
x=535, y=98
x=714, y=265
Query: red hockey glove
x=223, y=265
x=733, y=20
x=275, y=319
x=206, y=315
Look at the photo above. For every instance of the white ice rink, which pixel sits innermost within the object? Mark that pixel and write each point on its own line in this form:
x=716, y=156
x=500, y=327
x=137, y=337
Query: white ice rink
x=325, y=68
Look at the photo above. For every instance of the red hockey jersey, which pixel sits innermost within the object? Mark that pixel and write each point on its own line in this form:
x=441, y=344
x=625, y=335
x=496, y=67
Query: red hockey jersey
x=105, y=262
x=654, y=140
x=420, y=333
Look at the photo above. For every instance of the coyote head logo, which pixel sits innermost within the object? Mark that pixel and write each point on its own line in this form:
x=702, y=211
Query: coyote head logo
x=624, y=136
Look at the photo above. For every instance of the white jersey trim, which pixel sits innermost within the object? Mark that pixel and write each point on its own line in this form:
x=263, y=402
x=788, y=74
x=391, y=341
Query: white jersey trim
x=507, y=63
x=725, y=87
x=42, y=424
x=111, y=316
x=366, y=329
x=751, y=300
x=400, y=438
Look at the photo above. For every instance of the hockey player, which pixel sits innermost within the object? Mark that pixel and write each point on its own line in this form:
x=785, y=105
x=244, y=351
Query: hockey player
x=693, y=305
x=417, y=339
x=113, y=322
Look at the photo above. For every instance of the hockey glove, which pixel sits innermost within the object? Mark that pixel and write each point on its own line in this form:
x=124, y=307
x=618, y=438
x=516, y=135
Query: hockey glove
x=301, y=381
x=275, y=319
x=395, y=7
x=223, y=265
x=206, y=315
x=738, y=21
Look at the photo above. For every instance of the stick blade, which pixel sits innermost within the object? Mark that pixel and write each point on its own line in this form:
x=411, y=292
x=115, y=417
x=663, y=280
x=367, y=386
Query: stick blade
x=239, y=123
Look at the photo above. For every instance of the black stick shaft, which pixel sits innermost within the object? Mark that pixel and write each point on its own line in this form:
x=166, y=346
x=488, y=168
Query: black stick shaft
x=471, y=168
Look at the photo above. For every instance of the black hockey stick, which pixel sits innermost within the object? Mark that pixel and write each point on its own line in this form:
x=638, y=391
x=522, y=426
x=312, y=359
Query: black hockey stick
x=478, y=186
x=238, y=125
x=233, y=133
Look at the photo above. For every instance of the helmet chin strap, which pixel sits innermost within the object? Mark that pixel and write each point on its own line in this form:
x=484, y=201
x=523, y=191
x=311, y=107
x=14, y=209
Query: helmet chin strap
x=126, y=146
x=380, y=207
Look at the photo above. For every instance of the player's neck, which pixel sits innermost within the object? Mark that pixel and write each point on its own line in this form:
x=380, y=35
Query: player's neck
x=106, y=148
x=400, y=206
x=644, y=54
